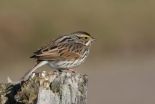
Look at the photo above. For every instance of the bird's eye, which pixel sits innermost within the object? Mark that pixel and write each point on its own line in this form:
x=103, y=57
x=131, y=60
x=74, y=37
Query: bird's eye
x=86, y=38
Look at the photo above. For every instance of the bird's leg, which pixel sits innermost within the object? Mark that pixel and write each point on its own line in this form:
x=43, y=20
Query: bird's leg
x=72, y=70
x=66, y=70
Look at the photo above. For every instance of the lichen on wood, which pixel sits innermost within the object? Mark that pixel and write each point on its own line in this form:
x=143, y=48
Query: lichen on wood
x=47, y=88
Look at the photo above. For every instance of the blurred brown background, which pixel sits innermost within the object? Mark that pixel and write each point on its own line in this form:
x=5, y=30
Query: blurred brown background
x=121, y=66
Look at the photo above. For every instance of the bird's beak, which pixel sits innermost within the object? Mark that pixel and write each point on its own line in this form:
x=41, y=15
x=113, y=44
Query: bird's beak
x=93, y=39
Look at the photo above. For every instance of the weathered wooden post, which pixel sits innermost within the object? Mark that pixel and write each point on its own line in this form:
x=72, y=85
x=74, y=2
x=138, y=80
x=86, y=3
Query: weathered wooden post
x=47, y=88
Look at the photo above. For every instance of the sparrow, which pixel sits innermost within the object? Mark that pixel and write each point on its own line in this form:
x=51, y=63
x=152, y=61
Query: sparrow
x=64, y=53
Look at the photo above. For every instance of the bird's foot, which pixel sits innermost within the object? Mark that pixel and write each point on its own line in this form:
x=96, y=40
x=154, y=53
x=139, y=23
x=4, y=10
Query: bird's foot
x=72, y=70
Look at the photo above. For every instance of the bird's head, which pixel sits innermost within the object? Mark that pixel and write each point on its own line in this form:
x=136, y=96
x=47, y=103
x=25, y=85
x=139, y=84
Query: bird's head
x=84, y=37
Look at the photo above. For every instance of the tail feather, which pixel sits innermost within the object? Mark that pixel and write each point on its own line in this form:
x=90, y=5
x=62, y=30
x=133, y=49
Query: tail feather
x=27, y=75
x=38, y=65
x=9, y=80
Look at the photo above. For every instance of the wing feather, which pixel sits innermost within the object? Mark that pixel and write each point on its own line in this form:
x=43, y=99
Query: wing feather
x=60, y=52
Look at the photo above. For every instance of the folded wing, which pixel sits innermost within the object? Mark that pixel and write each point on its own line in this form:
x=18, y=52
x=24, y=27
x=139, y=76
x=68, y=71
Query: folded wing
x=65, y=51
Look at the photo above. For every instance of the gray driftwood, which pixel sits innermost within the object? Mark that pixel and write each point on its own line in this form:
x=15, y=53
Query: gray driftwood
x=47, y=88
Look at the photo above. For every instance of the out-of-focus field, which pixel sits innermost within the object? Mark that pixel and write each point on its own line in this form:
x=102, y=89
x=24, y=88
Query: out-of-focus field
x=121, y=66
